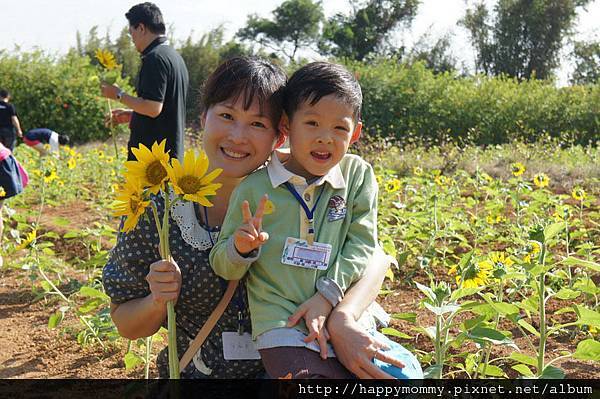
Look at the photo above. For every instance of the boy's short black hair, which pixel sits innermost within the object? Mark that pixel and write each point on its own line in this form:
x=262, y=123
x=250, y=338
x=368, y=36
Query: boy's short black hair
x=63, y=139
x=4, y=93
x=148, y=14
x=317, y=80
x=250, y=77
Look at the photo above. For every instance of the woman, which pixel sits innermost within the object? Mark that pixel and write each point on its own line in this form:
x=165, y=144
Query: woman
x=242, y=108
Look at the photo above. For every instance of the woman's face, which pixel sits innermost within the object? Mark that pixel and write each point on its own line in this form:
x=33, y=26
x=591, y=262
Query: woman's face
x=237, y=140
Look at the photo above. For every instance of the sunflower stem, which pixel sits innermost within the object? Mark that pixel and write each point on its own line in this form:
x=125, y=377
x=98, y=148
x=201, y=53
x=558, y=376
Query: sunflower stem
x=112, y=130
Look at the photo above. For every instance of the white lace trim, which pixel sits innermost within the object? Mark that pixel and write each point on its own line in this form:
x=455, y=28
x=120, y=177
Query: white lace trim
x=192, y=231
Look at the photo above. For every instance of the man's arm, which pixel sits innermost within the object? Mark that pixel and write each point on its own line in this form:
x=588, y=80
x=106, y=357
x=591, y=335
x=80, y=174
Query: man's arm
x=140, y=105
x=17, y=125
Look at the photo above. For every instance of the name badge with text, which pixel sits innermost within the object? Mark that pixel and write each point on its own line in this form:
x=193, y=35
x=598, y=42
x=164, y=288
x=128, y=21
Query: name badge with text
x=300, y=253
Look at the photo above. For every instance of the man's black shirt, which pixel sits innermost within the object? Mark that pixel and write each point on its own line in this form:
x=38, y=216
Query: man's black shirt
x=6, y=112
x=163, y=78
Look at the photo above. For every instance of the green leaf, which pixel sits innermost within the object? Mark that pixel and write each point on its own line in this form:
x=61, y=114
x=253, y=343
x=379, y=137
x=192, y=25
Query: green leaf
x=551, y=372
x=489, y=335
x=505, y=308
x=522, y=358
x=588, y=349
x=491, y=370
x=587, y=316
x=55, y=319
x=523, y=370
x=463, y=292
x=572, y=261
x=528, y=327
x=395, y=333
x=90, y=305
x=427, y=291
x=411, y=317
x=48, y=251
x=132, y=360
x=72, y=234
x=402, y=258
x=92, y=293
x=566, y=293
x=432, y=371
x=552, y=230
x=440, y=310
x=60, y=221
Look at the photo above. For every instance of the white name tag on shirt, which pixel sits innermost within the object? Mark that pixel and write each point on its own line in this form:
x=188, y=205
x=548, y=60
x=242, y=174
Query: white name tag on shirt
x=239, y=347
x=300, y=253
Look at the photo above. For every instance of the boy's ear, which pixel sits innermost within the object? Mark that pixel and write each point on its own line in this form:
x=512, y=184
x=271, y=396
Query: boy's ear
x=203, y=120
x=284, y=126
x=356, y=133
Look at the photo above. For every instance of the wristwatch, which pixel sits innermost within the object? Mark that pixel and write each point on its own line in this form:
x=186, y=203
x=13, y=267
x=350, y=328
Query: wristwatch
x=120, y=94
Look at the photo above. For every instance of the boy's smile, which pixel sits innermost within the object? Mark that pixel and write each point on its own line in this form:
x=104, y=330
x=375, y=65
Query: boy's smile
x=320, y=135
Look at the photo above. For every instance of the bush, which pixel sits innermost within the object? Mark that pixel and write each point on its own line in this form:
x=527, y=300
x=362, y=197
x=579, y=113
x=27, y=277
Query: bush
x=413, y=102
x=60, y=94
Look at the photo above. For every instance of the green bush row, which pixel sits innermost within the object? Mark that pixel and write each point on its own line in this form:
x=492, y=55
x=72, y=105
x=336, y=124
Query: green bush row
x=411, y=101
x=61, y=94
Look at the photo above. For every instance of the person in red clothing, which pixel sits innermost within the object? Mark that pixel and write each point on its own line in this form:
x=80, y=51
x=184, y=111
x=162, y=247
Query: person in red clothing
x=36, y=138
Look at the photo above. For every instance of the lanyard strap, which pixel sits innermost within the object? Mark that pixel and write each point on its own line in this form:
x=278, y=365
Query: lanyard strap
x=310, y=213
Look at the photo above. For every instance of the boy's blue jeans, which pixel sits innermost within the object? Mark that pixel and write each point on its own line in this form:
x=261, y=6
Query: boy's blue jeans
x=411, y=370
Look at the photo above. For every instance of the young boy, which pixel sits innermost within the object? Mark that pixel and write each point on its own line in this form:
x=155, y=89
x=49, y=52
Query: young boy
x=321, y=219
x=36, y=138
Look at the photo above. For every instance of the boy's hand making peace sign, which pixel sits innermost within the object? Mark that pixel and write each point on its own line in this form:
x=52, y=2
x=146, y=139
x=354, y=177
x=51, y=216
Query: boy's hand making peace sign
x=249, y=235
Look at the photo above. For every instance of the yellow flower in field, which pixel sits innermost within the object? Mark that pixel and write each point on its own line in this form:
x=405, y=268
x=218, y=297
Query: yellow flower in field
x=150, y=169
x=517, y=169
x=190, y=179
x=561, y=214
x=130, y=202
x=2, y=192
x=110, y=159
x=71, y=163
x=541, y=180
x=417, y=170
x=100, y=154
x=28, y=240
x=476, y=274
x=441, y=180
x=492, y=220
x=106, y=59
x=501, y=263
x=269, y=207
x=114, y=187
x=50, y=176
x=578, y=194
x=392, y=185
x=532, y=249
x=60, y=183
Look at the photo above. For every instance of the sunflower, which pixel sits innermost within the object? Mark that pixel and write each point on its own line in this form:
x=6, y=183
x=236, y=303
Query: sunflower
x=417, y=170
x=392, y=185
x=578, y=194
x=106, y=59
x=541, y=180
x=2, y=192
x=441, y=180
x=150, y=169
x=561, y=215
x=533, y=248
x=191, y=180
x=130, y=202
x=50, y=176
x=476, y=274
x=72, y=163
x=517, y=169
x=501, y=263
x=28, y=240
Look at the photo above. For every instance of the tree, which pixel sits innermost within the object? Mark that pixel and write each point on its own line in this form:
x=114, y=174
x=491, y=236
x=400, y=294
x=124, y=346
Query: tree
x=587, y=62
x=295, y=24
x=365, y=30
x=523, y=38
x=436, y=56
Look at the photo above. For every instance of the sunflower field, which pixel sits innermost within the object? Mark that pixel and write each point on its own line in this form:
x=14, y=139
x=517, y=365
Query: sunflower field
x=498, y=253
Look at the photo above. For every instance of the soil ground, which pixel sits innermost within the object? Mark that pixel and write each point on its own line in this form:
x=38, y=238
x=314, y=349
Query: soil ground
x=31, y=350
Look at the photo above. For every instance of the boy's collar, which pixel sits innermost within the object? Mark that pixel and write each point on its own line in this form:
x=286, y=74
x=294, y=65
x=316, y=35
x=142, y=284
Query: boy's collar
x=278, y=175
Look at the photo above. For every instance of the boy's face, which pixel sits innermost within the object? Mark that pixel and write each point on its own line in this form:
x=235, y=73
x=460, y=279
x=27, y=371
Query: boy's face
x=320, y=135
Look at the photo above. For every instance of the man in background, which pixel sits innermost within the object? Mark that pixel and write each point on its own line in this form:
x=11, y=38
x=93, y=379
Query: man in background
x=158, y=111
x=10, y=127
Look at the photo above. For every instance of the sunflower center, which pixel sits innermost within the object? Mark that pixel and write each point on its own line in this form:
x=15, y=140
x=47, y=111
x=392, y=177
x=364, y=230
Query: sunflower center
x=190, y=184
x=155, y=173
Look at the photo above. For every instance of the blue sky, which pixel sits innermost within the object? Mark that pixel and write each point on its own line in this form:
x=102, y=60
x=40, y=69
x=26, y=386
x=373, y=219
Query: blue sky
x=52, y=25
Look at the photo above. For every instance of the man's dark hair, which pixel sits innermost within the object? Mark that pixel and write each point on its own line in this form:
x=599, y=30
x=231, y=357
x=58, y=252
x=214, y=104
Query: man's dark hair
x=63, y=139
x=250, y=77
x=4, y=93
x=317, y=80
x=149, y=15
